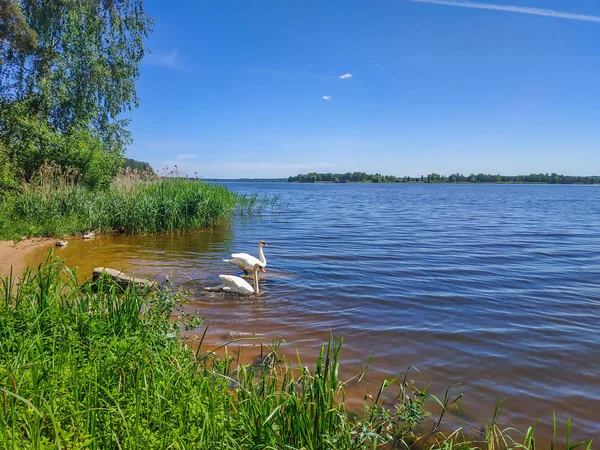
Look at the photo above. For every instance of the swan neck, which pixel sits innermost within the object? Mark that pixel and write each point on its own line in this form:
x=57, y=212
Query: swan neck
x=261, y=255
x=256, y=281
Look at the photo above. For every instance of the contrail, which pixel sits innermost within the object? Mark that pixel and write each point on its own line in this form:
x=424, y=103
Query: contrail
x=382, y=68
x=516, y=9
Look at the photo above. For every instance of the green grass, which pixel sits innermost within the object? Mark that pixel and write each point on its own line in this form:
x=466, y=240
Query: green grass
x=93, y=367
x=169, y=204
x=84, y=369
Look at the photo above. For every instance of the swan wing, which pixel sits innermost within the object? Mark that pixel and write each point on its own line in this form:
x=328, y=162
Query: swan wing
x=247, y=260
x=236, y=262
x=236, y=284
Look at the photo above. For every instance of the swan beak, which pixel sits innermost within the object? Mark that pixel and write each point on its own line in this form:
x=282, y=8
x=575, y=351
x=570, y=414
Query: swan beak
x=261, y=269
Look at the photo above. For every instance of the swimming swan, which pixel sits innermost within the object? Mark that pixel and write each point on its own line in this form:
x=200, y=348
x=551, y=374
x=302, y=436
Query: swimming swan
x=238, y=285
x=246, y=262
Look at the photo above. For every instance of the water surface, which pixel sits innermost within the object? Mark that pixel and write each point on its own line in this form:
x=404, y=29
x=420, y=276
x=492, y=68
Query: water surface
x=492, y=286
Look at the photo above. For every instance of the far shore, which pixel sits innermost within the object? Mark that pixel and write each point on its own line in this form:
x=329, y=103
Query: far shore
x=281, y=180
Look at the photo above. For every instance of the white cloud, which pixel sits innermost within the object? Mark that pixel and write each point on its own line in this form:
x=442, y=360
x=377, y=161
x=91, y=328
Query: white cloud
x=186, y=156
x=326, y=97
x=346, y=75
x=515, y=9
x=172, y=60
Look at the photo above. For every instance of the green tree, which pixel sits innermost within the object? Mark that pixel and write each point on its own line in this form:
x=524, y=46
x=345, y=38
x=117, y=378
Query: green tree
x=27, y=143
x=142, y=166
x=15, y=34
x=86, y=61
x=70, y=66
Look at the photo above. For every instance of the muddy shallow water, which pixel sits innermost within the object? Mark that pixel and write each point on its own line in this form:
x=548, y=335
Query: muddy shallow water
x=495, y=287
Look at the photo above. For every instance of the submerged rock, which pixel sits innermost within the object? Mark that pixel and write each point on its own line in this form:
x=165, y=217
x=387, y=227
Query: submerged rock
x=121, y=278
x=61, y=244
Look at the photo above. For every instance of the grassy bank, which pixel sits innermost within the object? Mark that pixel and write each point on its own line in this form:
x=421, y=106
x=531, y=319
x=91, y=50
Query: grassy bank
x=53, y=205
x=81, y=368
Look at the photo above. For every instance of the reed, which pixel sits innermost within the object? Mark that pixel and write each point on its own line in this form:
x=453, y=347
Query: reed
x=92, y=367
x=54, y=205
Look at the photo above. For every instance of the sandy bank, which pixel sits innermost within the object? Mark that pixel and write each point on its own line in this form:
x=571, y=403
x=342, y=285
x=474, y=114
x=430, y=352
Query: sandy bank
x=21, y=254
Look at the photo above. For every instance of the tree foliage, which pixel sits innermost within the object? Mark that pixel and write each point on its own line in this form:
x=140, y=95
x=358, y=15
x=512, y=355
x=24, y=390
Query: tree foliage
x=29, y=143
x=67, y=77
x=349, y=177
x=15, y=34
x=361, y=177
x=545, y=178
x=140, y=166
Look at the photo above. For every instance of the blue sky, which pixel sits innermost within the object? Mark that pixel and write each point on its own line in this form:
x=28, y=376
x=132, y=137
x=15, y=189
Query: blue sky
x=256, y=88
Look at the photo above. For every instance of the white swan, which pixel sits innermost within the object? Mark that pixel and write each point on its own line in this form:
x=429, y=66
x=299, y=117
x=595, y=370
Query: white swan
x=246, y=262
x=238, y=285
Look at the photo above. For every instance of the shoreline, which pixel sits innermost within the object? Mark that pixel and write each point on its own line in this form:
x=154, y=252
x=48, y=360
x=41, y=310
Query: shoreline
x=19, y=255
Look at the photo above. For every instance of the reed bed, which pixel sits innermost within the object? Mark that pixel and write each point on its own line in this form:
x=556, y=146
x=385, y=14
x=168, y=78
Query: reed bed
x=92, y=367
x=54, y=205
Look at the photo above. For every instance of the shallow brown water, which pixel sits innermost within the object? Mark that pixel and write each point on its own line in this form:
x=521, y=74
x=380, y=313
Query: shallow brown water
x=494, y=287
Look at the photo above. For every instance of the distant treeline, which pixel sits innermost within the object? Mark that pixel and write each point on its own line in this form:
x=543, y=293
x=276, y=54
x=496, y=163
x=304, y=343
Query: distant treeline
x=139, y=165
x=362, y=177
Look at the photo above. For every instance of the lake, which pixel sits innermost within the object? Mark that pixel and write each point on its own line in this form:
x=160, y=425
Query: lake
x=492, y=286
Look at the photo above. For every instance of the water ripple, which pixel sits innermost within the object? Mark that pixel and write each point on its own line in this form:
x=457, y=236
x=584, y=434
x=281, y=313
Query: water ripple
x=493, y=286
